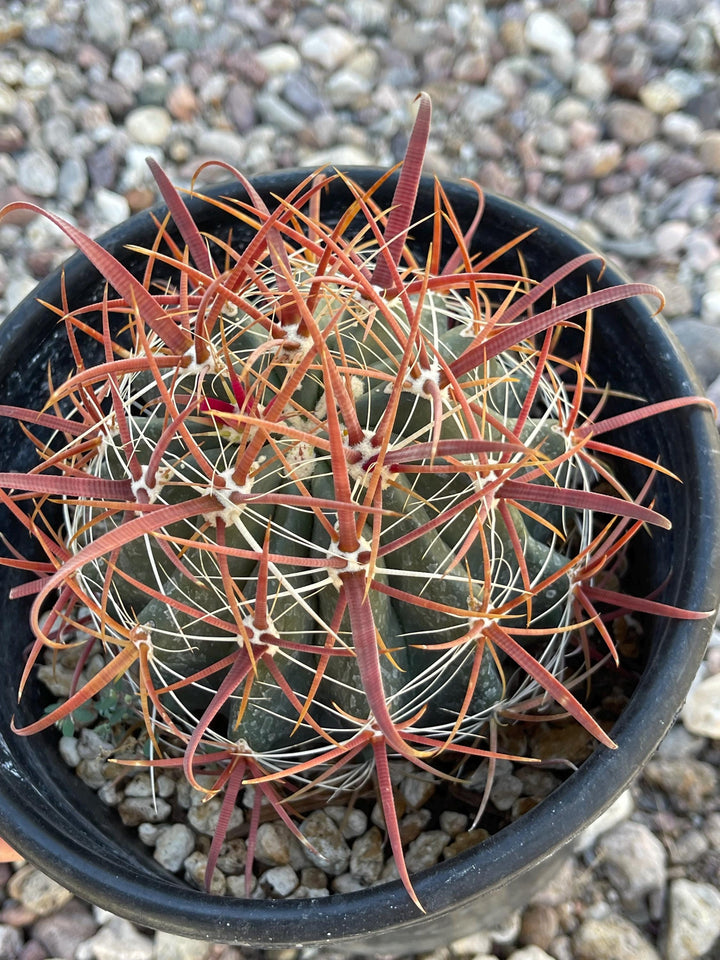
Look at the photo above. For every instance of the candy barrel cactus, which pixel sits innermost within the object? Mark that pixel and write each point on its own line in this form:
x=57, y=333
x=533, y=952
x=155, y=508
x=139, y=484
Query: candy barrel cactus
x=324, y=504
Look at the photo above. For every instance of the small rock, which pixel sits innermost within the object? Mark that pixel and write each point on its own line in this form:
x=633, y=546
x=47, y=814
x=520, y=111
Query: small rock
x=275, y=112
x=618, y=811
x=68, y=747
x=473, y=945
x=426, y=850
x=594, y=161
x=11, y=942
x=72, y=182
x=417, y=789
x=136, y=810
x=367, y=857
x=710, y=313
x=204, y=817
x=108, y=22
x=279, y=58
x=413, y=824
x=481, y=104
x=37, y=173
x=694, y=919
x=331, y=853
x=279, y=881
x=612, y=938
x=709, y=150
x=37, y=892
x=635, y=862
x=591, y=82
x=660, y=96
x=689, y=847
x=453, y=822
x=548, y=33
x=233, y=854
x=128, y=69
x=682, y=129
x=702, y=345
x=169, y=946
x=530, y=953
x=274, y=844
x=63, y=932
x=701, y=713
x=329, y=46
x=540, y=926
x=352, y=822
x=181, y=102
x=670, y=238
x=118, y=939
x=150, y=125
x=689, y=782
x=173, y=845
x=631, y=123
x=149, y=832
x=195, y=869
x=619, y=216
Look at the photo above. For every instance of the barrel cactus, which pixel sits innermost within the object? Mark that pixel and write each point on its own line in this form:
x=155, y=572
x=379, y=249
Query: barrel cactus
x=324, y=504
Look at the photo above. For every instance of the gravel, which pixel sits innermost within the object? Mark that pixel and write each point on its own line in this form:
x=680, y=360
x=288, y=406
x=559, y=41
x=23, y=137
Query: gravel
x=605, y=115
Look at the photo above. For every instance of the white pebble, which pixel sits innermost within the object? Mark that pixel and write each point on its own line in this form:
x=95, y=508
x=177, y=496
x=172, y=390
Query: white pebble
x=173, y=845
x=701, y=713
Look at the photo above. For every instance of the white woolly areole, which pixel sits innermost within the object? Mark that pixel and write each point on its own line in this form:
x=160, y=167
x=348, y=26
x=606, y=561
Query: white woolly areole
x=351, y=557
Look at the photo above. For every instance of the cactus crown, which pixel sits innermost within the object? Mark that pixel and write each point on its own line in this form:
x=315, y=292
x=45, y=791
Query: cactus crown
x=325, y=504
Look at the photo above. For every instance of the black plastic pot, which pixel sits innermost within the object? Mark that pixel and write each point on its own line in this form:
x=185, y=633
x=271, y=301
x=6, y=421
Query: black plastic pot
x=60, y=825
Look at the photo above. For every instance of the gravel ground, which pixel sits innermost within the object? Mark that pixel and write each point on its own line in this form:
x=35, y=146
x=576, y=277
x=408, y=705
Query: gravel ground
x=604, y=114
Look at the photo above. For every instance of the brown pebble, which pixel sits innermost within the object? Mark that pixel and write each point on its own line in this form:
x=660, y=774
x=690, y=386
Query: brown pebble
x=464, y=841
x=539, y=926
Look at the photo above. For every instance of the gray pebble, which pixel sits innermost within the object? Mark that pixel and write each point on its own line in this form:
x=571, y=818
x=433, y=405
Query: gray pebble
x=690, y=782
x=149, y=125
x=548, y=33
x=41, y=895
x=612, y=938
x=367, y=857
x=635, y=862
x=279, y=881
x=195, y=866
x=240, y=107
x=702, y=345
x=351, y=822
x=631, y=123
x=137, y=810
x=11, y=942
x=233, y=854
x=480, y=105
x=73, y=182
x=330, y=851
x=108, y=23
x=328, y=47
x=426, y=850
x=173, y=845
x=38, y=173
x=92, y=772
x=170, y=946
x=117, y=939
x=619, y=216
x=68, y=747
x=274, y=111
x=128, y=69
x=694, y=919
x=532, y=952
x=505, y=791
x=65, y=929
x=204, y=817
